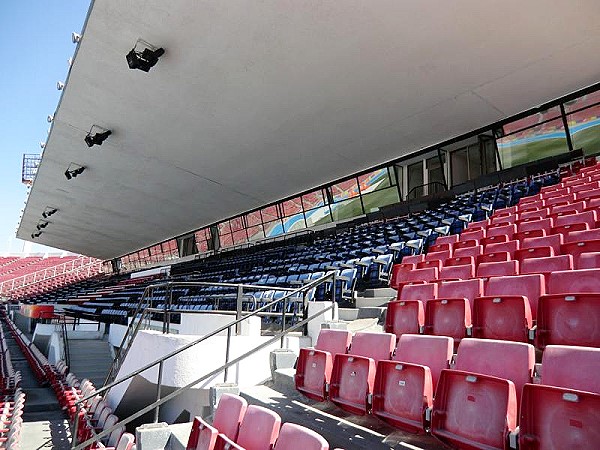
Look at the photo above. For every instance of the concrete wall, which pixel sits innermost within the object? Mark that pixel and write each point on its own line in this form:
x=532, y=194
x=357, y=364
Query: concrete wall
x=189, y=366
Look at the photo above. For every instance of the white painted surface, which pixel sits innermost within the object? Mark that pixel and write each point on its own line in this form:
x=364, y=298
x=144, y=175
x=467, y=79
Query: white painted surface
x=155, y=271
x=245, y=88
x=314, y=326
x=202, y=324
x=191, y=364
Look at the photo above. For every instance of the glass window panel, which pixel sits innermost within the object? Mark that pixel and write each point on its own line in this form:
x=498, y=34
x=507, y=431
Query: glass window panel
x=274, y=228
x=532, y=120
x=313, y=200
x=535, y=143
x=435, y=175
x=236, y=224
x=294, y=223
x=415, y=180
x=291, y=207
x=582, y=102
x=346, y=209
x=459, y=166
x=255, y=233
x=224, y=228
x=374, y=200
x=202, y=246
x=240, y=237
x=584, y=127
x=270, y=213
x=317, y=216
x=253, y=219
x=344, y=190
x=226, y=240
x=474, y=161
x=374, y=181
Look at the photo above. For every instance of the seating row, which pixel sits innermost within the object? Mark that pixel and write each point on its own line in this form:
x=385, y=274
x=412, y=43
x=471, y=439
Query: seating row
x=237, y=425
x=471, y=403
x=566, y=308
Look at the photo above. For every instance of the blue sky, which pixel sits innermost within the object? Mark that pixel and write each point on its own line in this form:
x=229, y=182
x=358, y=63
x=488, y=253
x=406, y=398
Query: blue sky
x=35, y=45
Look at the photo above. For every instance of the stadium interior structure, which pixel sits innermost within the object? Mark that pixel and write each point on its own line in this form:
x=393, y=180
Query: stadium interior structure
x=343, y=225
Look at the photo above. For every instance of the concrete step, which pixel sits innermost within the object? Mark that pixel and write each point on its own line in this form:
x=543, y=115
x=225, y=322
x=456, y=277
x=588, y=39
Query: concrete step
x=369, y=302
x=380, y=292
x=90, y=359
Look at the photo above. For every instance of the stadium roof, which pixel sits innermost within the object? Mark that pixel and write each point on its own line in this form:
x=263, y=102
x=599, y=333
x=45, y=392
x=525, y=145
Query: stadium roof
x=256, y=101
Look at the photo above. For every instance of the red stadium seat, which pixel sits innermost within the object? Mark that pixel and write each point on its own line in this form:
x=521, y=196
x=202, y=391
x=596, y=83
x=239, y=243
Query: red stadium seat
x=479, y=225
x=531, y=286
x=587, y=217
x=539, y=224
x=293, y=437
x=460, y=261
x=405, y=316
x=503, y=219
x=464, y=244
x=571, y=208
x=559, y=200
x=498, y=256
x=224, y=443
x=566, y=229
x=522, y=235
x=259, y=428
x=353, y=375
x=562, y=412
x=404, y=387
x=498, y=269
x=494, y=240
x=473, y=411
x=533, y=252
x=469, y=289
x=203, y=436
x=587, y=194
x=472, y=235
x=504, y=317
x=574, y=281
x=469, y=251
x=547, y=264
x=398, y=273
x=502, y=230
x=439, y=256
x=451, y=239
x=554, y=241
x=530, y=205
x=541, y=213
x=457, y=272
x=421, y=292
x=589, y=260
x=508, y=246
x=448, y=317
x=416, y=276
x=514, y=361
x=577, y=248
x=437, y=263
x=314, y=366
x=568, y=319
x=440, y=247
x=579, y=236
x=413, y=259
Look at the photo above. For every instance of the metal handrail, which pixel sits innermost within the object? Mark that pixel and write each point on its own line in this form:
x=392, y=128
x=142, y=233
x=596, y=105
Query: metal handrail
x=306, y=287
x=190, y=385
x=134, y=326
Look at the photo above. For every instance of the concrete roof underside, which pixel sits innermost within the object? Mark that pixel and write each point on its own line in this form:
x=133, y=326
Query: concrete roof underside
x=254, y=101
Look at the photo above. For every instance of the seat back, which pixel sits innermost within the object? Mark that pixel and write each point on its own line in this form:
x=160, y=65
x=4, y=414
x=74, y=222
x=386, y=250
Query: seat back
x=547, y=264
x=498, y=269
x=376, y=346
x=421, y=292
x=126, y=442
x=333, y=341
x=292, y=437
x=434, y=352
x=473, y=251
x=587, y=217
x=229, y=414
x=579, y=247
x=259, y=428
x=457, y=272
x=513, y=361
x=572, y=367
x=468, y=289
x=531, y=286
x=574, y=281
x=553, y=241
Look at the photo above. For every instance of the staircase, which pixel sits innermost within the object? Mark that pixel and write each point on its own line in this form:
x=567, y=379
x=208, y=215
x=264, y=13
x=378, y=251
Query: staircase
x=90, y=359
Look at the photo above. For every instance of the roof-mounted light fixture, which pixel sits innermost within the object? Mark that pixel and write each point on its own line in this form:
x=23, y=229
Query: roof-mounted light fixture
x=50, y=118
x=75, y=38
x=143, y=56
x=49, y=211
x=60, y=85
x=42, y=224
x=97, y=135
x=74, y=170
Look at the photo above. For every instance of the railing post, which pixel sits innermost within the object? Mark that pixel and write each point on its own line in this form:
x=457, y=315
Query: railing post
x=285, y=299
x=158, y=388
x=227, y=354
x=76, y=425
x=238, y=314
